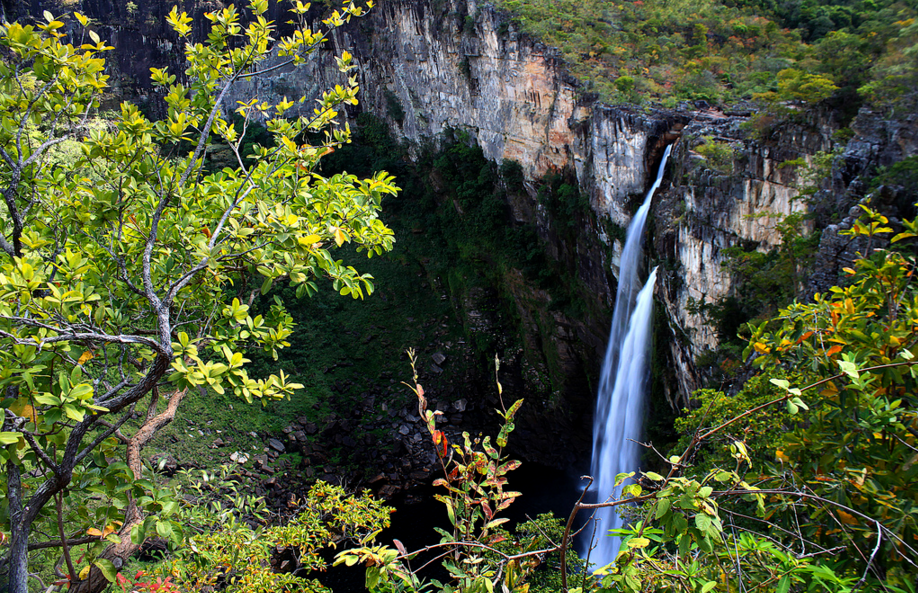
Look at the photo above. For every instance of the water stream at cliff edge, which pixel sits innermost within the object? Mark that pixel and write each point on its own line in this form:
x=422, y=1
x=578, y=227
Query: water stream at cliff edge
x=619, y=416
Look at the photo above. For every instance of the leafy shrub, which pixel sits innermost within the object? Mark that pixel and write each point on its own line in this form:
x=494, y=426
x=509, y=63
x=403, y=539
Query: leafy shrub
x=719, y=155
x=228, y=551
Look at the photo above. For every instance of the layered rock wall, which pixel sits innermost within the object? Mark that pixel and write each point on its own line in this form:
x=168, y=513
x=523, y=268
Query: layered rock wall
x=429, y=66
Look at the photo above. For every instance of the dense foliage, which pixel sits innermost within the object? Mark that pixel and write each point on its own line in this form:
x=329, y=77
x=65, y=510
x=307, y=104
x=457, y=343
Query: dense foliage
x=826, y=431
x=128, y=255
x=127, y=271
x=669, y=51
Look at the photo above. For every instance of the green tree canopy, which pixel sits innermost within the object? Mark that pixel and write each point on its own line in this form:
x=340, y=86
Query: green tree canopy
x=127, y=272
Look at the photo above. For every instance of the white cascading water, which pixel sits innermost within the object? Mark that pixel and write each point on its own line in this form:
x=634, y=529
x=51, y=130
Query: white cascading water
x=620, y=400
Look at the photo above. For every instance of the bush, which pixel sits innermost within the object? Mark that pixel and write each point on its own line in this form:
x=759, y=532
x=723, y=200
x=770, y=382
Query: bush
x=719, y=155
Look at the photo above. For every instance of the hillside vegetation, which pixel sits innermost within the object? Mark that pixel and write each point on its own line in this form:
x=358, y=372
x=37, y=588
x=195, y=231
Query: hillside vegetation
x=675, y=50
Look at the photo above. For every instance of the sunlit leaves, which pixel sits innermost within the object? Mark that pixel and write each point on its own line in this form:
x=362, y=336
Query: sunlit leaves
x=179, y=22
x=856, y=447
x=130, y=265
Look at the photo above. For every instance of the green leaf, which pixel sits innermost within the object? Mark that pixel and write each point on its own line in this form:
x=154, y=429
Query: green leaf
x=622, y=477
x=783, y=585
x=74, y=413
x=638, y=542
x=372, y=578
x=799, y=403
x=663, y=506
x=632, y=490
x=654, y=476
x=849, y=368
x=139, y=534
x=708, y=586
x=164, y=529
x=702, y=522
x=108, y=569
x=782, y=383
x=266, y=285
x=9, y=438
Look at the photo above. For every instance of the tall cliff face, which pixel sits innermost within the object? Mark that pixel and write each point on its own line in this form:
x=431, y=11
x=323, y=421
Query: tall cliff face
x=707, y=210
x=429, y=66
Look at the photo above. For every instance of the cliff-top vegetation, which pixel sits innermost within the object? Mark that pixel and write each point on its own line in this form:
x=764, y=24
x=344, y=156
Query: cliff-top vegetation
x=726, y=51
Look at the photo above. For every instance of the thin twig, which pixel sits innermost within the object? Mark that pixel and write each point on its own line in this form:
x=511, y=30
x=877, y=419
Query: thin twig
x=59, y=499
x=873, y=555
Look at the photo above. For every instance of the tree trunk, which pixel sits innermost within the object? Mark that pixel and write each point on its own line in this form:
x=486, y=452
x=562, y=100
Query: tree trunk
x=19, y=533
x=119, y=553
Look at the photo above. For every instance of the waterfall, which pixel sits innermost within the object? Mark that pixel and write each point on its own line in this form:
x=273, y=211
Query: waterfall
x=620, y=400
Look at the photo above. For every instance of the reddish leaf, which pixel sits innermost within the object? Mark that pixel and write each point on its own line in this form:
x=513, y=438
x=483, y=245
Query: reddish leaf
x=509, y=467
x=401, y=547
x=804, y=337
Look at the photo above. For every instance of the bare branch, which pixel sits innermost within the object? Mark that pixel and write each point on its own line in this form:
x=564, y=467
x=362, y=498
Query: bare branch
x=43, y=147
x=59, y=503
x=55, y=543
x=112, y=429
x=845, y=508
x=873, y=555
x=39, y=451
x=65, y=336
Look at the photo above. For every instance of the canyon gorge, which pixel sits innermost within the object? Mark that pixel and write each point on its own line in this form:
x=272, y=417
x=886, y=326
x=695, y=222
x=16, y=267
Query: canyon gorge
x=427, y=67
x=298, y=321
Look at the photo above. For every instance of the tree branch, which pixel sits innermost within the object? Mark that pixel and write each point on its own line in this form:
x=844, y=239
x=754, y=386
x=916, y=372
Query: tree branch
x=873, y=555
x=788, y=395
x=65, y=336
x=112, y=429
x=58, y=499
x=89, y=539
x=847, y=509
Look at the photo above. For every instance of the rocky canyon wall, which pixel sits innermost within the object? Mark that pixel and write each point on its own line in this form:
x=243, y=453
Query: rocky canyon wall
x=429, y=66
